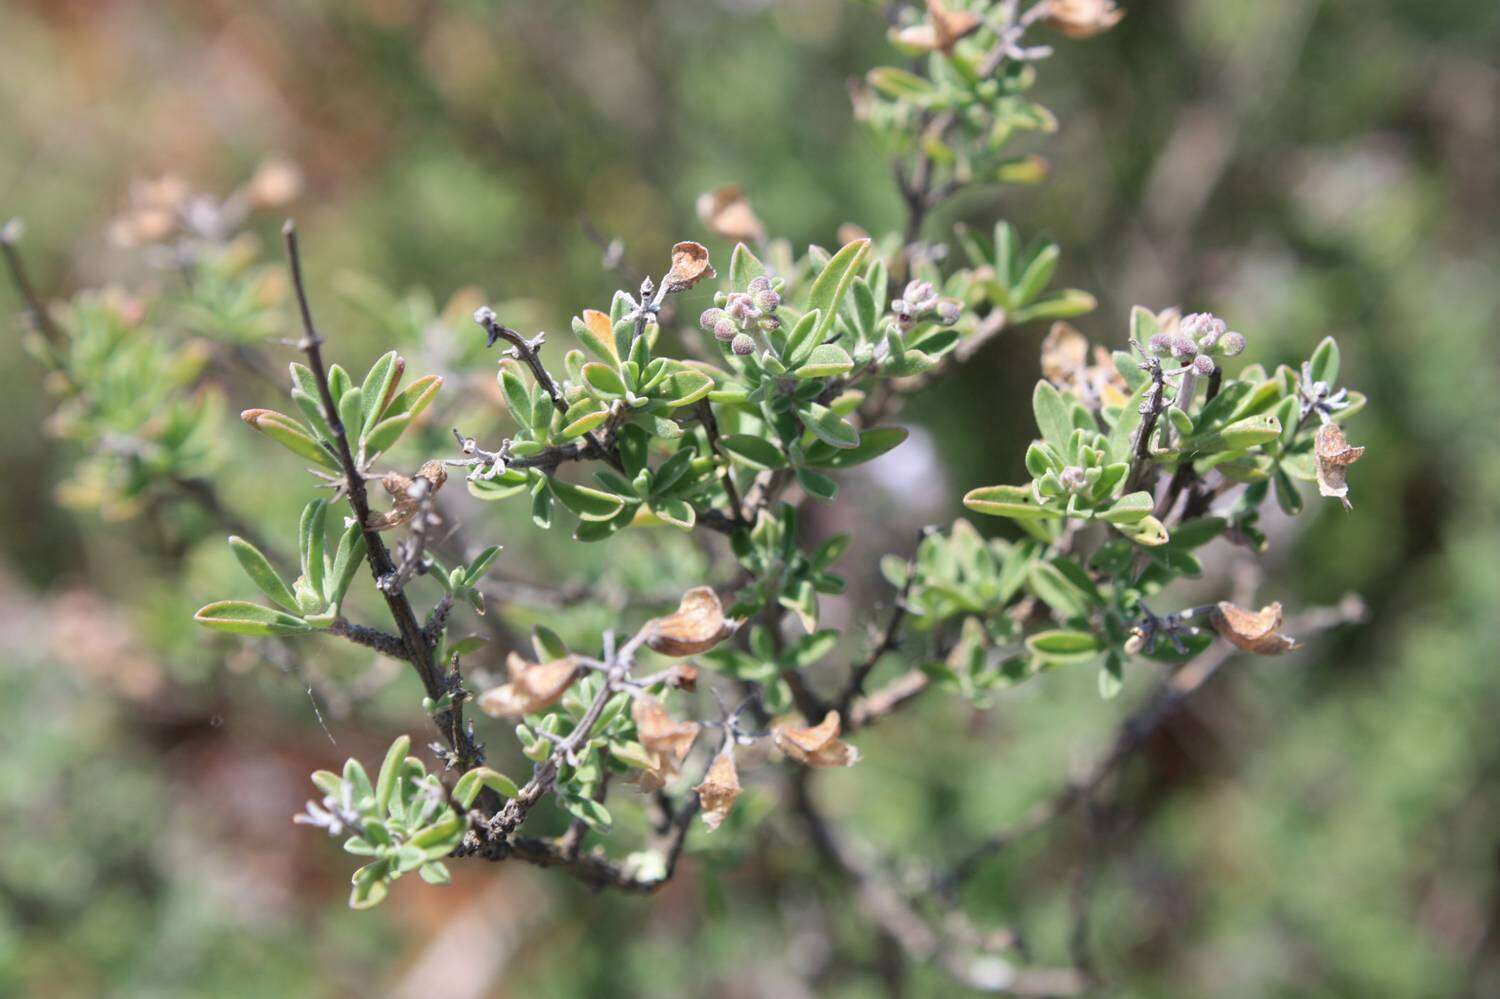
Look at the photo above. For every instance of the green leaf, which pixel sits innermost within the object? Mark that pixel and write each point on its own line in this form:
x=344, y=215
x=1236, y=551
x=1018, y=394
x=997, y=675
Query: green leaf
x=593, y=814
x=390, y=772
x=346, y=562
x=312, y=538
x=1251, y=431
x=379, y=381
x=1324, y=365
x=826, y=359
x=480, y=564
x=1147, y=531
x=386, y=433
x=677, y=512
x=803, y=337
x=466, y=791
x=829, y=427
x=291, y=435
x=435, y=872
x=817, y=485
x=900, y=84
x=604, y=380
x=1129, y=508
x=1065, y=304
x=831, y=284
x=872, y=444
x=1054, y=416
x=744, y=266
x=240, y=617
x=683, y=388
x=1036, y=275
x=1016, y=502
x=1062, y=646
x=1056, y=590
x=756, y=452
x=413, y=399
x=586, y=503
x=583, y=424
x=370, y=885
x=266, y=578
x=352, y=414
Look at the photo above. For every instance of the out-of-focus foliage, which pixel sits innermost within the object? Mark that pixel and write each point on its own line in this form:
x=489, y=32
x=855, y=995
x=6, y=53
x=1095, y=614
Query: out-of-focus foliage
x=1322, y=824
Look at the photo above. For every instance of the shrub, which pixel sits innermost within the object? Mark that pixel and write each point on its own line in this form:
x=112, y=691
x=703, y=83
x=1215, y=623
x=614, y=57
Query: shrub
x=1145, y=454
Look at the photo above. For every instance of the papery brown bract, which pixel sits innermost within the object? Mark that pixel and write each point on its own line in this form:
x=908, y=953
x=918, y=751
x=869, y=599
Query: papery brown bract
x=1252, y=631
x=719, y=789
x=1334, y=454
x=533, y=687
x=696, y=626
x=818, y=746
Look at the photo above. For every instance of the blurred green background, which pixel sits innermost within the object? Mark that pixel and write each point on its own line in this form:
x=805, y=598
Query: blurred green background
x=1327, y=824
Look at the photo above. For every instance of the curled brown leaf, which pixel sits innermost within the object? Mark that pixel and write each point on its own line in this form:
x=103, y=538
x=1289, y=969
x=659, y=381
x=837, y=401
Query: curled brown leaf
x=818, y=746
x=1253, y=631
x=689, y=266
x=1065, y=354
x=1083, y=18
x=720, y=788
x=408, y=492
x=533, y=687
x=1334, y=455
x=696, y=626
x=660, y=733
x=728, y=215
x=942, y=29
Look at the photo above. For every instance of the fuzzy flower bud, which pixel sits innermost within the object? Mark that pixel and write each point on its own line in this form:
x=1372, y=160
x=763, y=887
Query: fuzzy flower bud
x=1183, y=347
x=920, y=294
x=724, y=330
x=1073, y=479
x=767, y=300
x=1160, y=344
x=1204, y=365
x=1231, y=344
x=710, y=318
x=949, y=310
x=742, y=344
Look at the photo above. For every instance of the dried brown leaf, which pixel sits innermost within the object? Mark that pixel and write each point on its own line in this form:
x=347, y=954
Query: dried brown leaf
x=942, y=29
x=696, y=626
x=662, y=734
x=274, y=183
x=1253, y=631
x=720, y=787
x=818, y=746
x=408, y=493
x=1065, y=353
x=1334, y=455
x=689, y=266
x=533, y=687
x=1083, y=18
x=728, y=215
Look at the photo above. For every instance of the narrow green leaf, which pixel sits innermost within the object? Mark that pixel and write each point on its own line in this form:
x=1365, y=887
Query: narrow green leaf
x=291, y=435
x=466, y=791
x=313, y=538
x=261, y=573
x=1325, y=362
x=1054, y=415
x=744, y=266
x=1128, y=509
x=390, y=771
x=379, y=382
x=832, y=283
x=1037, y=274
x=872, y=444
x=1016, y=502
x=352, y=415
x=346, y=562
x=240, y=617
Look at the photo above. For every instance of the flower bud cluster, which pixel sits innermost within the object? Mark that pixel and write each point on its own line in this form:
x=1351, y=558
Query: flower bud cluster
x=919, y=300
x=744, y=313
x=1199, y=338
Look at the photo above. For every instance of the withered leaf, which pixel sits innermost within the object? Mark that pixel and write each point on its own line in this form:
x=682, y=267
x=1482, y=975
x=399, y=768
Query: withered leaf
x=659, y=732
x=942, y=29
x=533, y=687
x=274, y=183
x=1334, y=455
x=408, y=492
x=720, y=787
x=1257, y=632
x=1065, y=353
x=689, y=266
x=1082, y=18
x=696, y=626
x=818, y=746
x=728, y=215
